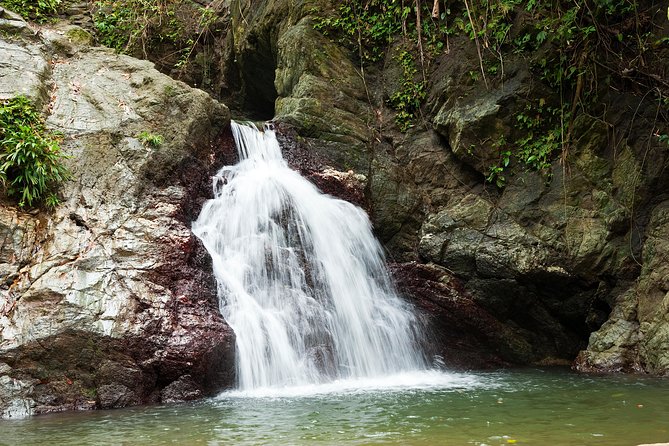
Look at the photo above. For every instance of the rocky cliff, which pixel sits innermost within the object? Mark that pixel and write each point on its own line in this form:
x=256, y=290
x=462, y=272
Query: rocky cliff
x=540, y=204
x=523, y=213
x=109, y=299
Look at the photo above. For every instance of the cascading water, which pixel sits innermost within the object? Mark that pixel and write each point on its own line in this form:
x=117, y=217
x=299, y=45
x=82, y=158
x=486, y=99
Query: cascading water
x=302, y=281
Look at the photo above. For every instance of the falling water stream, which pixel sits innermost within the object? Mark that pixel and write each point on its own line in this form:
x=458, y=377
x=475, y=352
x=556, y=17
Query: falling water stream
x=302, y=280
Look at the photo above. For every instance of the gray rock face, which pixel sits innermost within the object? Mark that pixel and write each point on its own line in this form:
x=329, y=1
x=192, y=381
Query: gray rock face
x=288, y=71
x=475, y=123
x=552, y=253
x=23, y=69
x=636, y=336
x=109, y=298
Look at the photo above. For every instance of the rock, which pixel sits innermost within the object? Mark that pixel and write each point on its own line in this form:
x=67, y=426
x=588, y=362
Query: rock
x=460, y=332
x=475, y=125
x=183, y=389
x=112, y=396
x=396, y=205
x=636, y=336
x=284, y=69
x=14, y=394
x=13, y=25
x=24, y=68
x=110, y=298
x=546, y=259
x=320, y=92
x=347, y=186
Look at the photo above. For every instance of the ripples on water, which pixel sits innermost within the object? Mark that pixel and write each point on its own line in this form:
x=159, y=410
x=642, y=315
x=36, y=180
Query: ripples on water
x=531, y=407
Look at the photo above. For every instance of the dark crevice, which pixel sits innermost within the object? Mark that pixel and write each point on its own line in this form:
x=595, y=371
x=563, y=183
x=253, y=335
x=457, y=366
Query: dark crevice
x=78, y=220
x=257, y=67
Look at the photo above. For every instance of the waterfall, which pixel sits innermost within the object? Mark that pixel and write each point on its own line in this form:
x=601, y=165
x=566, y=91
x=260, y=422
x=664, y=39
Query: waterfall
x=302, y=280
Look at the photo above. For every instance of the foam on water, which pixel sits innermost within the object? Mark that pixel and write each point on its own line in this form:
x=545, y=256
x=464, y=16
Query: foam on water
x=416, y=381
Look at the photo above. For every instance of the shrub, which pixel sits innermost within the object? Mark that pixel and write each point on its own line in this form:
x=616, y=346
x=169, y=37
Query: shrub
x=30, y=158
x=38, y=10
x=149, y=139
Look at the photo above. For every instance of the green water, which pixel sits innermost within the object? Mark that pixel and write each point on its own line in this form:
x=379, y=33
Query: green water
x=527, y=407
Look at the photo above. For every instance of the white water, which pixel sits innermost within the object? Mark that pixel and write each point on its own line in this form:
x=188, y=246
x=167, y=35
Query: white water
x=302, y=281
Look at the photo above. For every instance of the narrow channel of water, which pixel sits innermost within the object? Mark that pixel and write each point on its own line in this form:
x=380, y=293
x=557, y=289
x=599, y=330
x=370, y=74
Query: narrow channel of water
x=523, y=407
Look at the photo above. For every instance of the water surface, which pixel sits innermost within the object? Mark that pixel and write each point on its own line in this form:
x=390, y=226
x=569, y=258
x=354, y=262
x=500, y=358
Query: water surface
x=530, y=407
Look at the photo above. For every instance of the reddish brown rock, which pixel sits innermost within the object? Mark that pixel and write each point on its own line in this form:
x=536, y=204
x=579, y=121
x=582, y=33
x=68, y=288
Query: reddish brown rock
x=461, y=332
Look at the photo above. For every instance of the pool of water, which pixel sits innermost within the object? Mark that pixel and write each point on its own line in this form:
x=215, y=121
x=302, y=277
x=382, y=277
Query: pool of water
x=523, y=407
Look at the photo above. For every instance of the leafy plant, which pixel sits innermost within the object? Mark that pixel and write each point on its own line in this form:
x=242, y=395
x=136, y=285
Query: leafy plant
x=408, y=99
x=542, y=131
x=30, y=158
x=37, y=10
x=663, y=138
x=150, y=139
x=496, y=172
x=366, y=25
x=139, y=26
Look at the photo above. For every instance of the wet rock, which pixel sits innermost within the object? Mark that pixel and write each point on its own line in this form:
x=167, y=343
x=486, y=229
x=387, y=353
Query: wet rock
x=183, y=389
x=459, y=331
x=636, y=336
x=15, y=395
x=113, y=396
x=348, y=186
x=110, y=298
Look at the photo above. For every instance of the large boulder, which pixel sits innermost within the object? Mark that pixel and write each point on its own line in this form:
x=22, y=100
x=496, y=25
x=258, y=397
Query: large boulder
x=636, y=336
x=108, y=300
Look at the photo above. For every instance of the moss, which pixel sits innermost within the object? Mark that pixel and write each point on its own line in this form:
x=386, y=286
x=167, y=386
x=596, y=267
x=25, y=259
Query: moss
x=626, y=176
x=79, y=36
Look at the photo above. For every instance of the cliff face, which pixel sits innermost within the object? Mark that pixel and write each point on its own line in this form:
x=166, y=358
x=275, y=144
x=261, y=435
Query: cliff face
x=554, y=250
x=109, y=300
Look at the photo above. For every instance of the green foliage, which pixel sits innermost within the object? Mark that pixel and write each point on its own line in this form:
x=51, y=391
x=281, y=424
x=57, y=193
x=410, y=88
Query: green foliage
x=138, y=26
x=150, y=139
x=543, y=130
x=30, y=159
x=663, y=138
x=543, y=133
x=37, y=10
x=567, y=43
x=128, y=25
x=408, y=99
x=496, y=172
x=367, y=25
x=487, y=20
x=114, y=24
